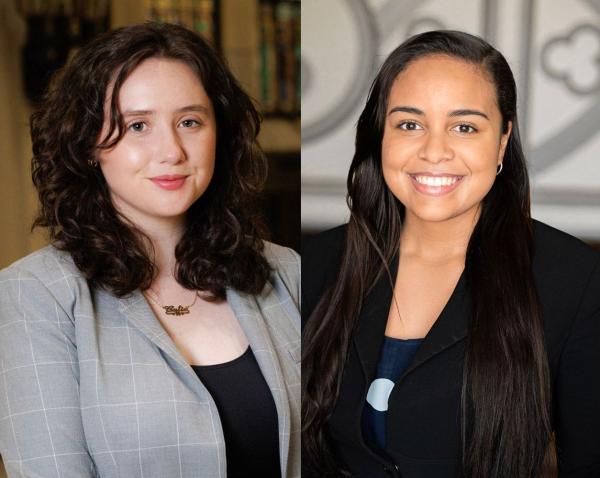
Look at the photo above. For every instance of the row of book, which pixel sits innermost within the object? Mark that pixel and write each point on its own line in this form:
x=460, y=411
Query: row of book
x=55, y=27
x=279, y=48
x=279, y=22
x=54, y=30
x=201, y=16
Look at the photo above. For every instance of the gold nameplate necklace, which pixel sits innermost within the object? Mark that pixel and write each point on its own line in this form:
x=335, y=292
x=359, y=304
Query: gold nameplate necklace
x=172, y=309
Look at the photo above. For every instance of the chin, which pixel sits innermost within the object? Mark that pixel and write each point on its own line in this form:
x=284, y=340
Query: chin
x=434, y=217
x=434, y=214
x=168, y=212
x=175, y=206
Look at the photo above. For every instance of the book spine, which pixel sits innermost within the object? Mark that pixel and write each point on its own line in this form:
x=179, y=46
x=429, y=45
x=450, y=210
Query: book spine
x=268, y=57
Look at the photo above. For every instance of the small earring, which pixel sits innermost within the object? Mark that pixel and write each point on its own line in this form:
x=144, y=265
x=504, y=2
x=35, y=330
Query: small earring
x=92, y=163
x=499, y=169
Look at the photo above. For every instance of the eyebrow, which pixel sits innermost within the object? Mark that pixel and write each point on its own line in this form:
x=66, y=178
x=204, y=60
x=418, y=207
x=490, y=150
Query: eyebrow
x=417, y=111
x=184, y=109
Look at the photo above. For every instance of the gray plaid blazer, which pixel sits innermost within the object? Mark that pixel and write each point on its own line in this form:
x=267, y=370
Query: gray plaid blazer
x=92, y=386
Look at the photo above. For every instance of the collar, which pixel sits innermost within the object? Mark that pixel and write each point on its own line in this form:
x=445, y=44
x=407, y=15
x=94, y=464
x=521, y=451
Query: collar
x=450, y=327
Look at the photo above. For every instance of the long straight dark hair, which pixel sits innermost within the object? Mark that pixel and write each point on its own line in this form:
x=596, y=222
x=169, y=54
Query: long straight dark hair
x=505, y=408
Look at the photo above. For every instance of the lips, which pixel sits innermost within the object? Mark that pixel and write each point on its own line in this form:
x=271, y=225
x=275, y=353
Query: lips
x=435, y=184
x=169, y=182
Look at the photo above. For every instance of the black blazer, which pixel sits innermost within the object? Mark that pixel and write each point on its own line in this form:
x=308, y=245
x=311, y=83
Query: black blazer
x=424, y=408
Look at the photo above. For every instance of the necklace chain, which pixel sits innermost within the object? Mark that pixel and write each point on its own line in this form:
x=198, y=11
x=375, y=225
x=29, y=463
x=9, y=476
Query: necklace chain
x=171, y=309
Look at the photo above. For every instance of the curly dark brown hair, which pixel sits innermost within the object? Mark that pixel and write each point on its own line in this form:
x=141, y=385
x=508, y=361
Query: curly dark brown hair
x=222, y=245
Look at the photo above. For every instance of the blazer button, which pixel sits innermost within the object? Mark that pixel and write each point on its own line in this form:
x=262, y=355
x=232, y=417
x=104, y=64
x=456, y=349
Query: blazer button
x=391, y=470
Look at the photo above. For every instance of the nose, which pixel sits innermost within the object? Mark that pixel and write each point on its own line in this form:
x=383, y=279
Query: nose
x=436, y=147
x=170, y=148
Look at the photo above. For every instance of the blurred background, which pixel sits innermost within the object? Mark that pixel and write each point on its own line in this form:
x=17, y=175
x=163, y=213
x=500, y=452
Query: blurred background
x=554, y=51
x=260, y=40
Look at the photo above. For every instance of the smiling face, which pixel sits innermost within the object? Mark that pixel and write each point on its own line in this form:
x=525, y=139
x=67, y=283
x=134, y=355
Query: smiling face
x=166, y=158
x=442, y=139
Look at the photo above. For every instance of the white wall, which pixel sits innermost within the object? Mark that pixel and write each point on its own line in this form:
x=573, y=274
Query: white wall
x=552, y=46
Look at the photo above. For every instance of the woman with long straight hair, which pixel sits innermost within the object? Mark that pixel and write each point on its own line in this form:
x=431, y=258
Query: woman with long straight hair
x=447, y=333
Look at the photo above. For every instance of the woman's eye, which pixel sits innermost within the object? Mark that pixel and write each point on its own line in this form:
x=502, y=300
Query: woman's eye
x=409, y=126
x=188, y=123
x=465, y=128
x=137, y=127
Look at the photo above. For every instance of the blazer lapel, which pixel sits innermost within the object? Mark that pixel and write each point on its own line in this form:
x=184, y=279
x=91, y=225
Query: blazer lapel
x=251, y=319
x=139, y=314
x=450, y=327
x=372, y=320
x=247, y=311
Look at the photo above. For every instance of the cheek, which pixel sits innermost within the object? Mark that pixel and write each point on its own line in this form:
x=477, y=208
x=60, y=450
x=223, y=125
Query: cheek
x=481, y=162
x=200, y=146
x=124, y=159
x=480, y=158
x=209, y=148
x=201, y=153
x=394, y=158
x=393, y=155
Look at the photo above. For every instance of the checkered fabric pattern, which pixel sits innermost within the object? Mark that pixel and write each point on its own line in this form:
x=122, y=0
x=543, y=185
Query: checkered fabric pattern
x=91, y=385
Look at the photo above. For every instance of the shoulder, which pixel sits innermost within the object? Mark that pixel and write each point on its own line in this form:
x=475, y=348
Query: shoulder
x=46, y=264
x=321, y=257
x=561, y=257
x=567, y=277
x=551, y=240
x=323, y=251
x=284, y=261
x=326, y=242
x=46, y=275
x=280, y=257
x=285, y=270
x=49, y=266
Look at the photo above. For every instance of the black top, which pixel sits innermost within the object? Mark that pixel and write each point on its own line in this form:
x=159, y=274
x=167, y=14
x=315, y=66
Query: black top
x=424, y=406
x=248, y=416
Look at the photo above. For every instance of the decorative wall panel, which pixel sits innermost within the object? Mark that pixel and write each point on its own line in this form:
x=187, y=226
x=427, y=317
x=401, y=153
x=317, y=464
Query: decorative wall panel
x=553, y=48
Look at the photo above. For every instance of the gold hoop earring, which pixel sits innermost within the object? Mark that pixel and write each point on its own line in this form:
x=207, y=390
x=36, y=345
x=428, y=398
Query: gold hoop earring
x=92, y=163
x=499, y=170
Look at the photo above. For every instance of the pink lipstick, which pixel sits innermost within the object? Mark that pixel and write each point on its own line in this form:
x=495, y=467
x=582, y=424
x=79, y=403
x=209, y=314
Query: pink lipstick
x=169, y=182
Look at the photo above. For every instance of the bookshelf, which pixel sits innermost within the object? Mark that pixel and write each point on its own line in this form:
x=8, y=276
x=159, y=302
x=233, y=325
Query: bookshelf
x=258, y=38
x=279, y=52
x=198, y=15
x=251, y=57
x=250, y=34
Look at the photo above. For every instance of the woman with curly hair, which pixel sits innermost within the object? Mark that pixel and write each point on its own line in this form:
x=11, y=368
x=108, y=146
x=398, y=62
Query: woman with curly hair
x=158, y=334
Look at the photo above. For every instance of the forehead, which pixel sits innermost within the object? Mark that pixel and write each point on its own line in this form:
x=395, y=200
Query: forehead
x=160, y=82
x=442, y=81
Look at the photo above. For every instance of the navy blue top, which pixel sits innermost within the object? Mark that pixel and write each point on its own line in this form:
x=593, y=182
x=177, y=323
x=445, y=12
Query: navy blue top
x=394, y=358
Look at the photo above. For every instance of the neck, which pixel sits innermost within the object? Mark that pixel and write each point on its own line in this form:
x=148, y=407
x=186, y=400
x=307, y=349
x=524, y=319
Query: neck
x=437, y=241
x=164, y=235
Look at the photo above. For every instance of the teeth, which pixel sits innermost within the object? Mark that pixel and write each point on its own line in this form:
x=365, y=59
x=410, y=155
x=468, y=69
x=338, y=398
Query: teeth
x=436, y=180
